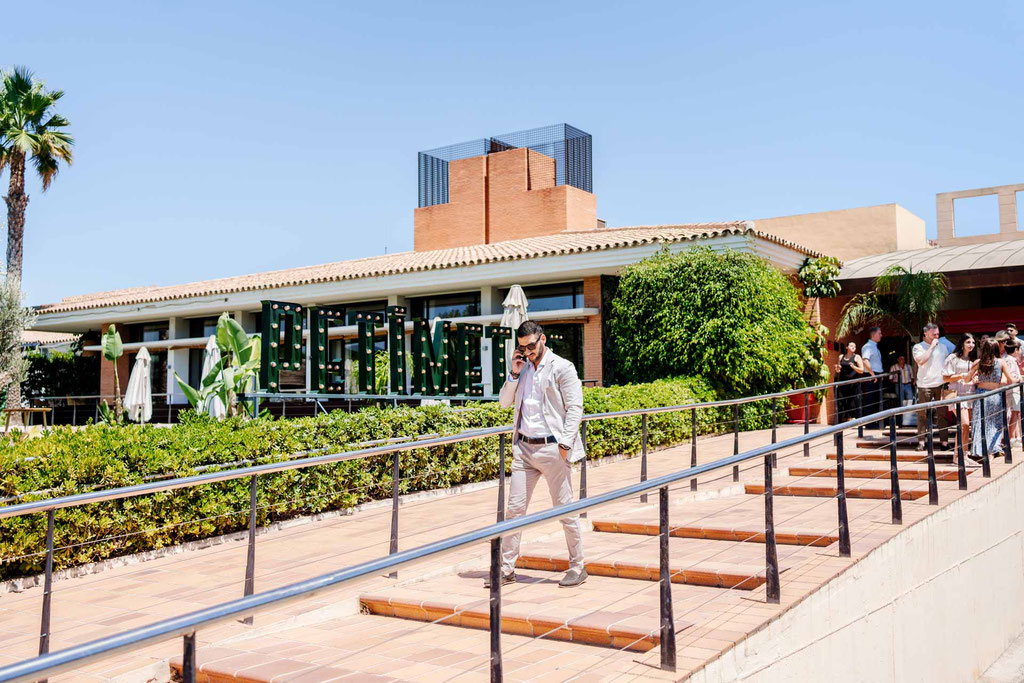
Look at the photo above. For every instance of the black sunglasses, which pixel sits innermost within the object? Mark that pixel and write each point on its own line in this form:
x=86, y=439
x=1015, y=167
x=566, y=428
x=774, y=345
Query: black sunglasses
x=529, y=347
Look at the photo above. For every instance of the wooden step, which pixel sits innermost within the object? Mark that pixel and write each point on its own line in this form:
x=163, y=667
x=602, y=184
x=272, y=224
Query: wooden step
x=873, y=473
x=830, y=491
x=598, y=628
x=714, y=575
x=808, y=538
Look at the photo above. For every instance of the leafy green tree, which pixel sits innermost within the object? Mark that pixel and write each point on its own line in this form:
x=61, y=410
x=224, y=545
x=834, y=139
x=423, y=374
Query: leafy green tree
x=30, y=130
x=14, y=320
x=727, y=317
x=901, y=297
x=818, y=276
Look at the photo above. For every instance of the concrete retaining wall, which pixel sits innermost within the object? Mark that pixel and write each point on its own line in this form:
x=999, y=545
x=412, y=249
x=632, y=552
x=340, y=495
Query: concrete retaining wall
x=938, y=602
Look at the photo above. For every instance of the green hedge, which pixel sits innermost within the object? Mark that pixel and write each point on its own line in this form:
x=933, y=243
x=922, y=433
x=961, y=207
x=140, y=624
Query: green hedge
x=66, y=461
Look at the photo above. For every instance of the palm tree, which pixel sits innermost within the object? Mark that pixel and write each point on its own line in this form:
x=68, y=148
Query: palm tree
x=901, y=297
x=29, y=130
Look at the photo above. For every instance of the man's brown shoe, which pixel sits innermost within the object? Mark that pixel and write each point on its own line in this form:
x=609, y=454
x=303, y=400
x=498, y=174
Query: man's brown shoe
x=572, y=578
x=505, y=579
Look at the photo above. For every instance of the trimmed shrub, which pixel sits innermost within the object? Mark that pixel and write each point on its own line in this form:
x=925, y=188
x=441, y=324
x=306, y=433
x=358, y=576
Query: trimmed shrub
x=727, y=317
x=66, y=461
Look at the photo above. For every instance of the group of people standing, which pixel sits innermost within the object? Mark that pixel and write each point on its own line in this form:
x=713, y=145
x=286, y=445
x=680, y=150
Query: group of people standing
x=941, y=369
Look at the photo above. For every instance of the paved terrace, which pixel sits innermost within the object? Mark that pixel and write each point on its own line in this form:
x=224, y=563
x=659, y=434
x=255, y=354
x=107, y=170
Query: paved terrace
x=382, y=629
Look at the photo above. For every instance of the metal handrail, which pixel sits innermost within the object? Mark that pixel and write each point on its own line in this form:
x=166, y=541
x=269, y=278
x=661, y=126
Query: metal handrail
x=268, y=468
x=186, y=625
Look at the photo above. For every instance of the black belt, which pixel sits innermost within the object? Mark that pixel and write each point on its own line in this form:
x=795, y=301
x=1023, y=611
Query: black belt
x=537, y=440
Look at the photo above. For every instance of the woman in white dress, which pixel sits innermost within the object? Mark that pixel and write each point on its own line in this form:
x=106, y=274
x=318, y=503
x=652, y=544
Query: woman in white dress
x=955, y=371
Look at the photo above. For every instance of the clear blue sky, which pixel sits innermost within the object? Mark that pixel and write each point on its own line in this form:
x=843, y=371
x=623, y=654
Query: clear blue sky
x=220, y=138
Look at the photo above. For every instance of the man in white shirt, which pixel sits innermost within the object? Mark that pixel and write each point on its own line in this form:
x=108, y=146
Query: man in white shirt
x=930, y=356
x=548, y=398
x=871, y=392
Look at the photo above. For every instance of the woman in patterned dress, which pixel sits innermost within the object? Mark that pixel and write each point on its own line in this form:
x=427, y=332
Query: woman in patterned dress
x=989, y=373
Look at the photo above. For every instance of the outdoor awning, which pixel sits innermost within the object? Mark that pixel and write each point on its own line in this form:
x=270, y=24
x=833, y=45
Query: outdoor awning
x=981, y=320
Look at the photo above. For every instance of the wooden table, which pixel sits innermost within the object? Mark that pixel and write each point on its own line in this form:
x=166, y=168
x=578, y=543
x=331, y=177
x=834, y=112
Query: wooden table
x=23, y=412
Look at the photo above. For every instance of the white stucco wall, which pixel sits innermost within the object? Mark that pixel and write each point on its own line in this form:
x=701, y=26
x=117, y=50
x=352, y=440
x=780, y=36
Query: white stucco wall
x=939, y=602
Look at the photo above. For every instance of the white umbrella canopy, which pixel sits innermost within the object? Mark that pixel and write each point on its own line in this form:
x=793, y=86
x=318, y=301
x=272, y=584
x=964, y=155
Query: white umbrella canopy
x=138, y=397
x=513, y=315
x=213, y=406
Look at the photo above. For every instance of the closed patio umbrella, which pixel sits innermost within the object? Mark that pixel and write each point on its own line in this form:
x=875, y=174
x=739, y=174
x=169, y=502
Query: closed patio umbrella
x=513, y=315
x=213, y=406
x=138, y=397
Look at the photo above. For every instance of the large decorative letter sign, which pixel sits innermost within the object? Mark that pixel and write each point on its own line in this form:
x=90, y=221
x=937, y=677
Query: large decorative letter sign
x=396, y=349
x=325, y=374
x=500, y=335
x=430, y=374
x=468, y=377
x=281, y=345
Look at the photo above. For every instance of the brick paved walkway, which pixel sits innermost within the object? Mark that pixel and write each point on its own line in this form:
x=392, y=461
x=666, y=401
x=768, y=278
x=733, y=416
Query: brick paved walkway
x=613, y=618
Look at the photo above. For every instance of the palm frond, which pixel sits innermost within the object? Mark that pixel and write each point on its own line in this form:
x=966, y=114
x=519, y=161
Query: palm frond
x=29, y=125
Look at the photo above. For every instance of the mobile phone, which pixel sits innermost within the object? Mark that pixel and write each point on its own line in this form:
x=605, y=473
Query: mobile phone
x=519, y=356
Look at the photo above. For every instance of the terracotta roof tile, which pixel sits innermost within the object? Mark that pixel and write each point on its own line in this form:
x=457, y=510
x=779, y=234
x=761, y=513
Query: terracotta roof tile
x=411, y=261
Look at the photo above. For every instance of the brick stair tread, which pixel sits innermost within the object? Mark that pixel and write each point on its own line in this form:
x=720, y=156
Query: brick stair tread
x=880, y=473
x=749, y=533
x=605, y=628
x=901, y=444
x=701, y=573
x=643, y=551
x=873, y=492
x=946, y=457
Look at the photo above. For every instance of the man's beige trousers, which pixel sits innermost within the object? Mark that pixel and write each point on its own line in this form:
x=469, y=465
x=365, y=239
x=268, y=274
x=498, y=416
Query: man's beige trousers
x=536, y=461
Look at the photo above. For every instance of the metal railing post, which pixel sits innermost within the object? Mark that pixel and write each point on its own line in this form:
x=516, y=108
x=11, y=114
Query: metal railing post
x=807, y=423
x=583, y=467
x=933, y=485
x=772, y=590
x=894, y=477
x=188, y=658
x=668, y=627
x=860, y=403
x=693, y=445
x=501, y=477
x=44, y=622
x=986, y=464
x=961, y=467
x=775, y=454
x=844, y=520
x=736, y=439
x=395, y=475
x=74, y=414
x=495, y=611
x=1007, y=453
x=250, y=558
x=643, y=453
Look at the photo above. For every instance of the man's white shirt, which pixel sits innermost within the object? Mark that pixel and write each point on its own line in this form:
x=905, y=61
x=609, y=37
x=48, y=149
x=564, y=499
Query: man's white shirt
x=531, y=412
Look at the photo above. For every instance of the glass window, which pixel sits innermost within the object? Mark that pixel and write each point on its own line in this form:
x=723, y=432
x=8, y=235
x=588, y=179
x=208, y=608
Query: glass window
x=552, y=297
x=446, y=306
x=154, y=332
x=202, y=327
x=567, y=342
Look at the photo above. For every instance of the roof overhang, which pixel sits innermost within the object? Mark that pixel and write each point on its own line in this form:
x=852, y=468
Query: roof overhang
x=525, y=271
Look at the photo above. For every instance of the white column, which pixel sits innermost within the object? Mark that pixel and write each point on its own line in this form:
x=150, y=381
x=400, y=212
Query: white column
x=247, y=319
x=490, y=300
x=177, y=360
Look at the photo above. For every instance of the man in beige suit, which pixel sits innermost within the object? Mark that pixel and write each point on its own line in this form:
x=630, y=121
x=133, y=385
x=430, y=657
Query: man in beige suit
x=548, y=398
